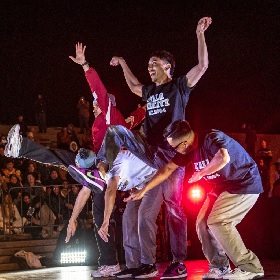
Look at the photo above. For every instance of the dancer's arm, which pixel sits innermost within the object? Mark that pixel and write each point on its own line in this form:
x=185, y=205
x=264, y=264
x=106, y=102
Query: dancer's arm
x=132, y=82
x=161, y=175
x=110, y=198
x=78, y=207
x=194, y=75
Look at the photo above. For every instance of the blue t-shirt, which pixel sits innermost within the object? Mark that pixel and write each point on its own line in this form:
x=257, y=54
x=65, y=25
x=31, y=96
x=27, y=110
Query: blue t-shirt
x=166, y=103
x=239, y=176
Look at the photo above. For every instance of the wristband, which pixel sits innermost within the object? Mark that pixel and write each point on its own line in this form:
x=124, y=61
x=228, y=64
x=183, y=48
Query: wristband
x=85, y=63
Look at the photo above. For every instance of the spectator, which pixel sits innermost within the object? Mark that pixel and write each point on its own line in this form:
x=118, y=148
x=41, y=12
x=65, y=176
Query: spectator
x=275, y=189
x=87, y=140
x=250, y=139
x=71, y=132
x=84, y=114
x=40, y=113
x=56, y=203
x=63, y=139
x=23, y=126
x=42, y=217
x=265, y=153
x=9, y=216
x=70, y=201
x=65, y=189
x=31, y=168
x=54, y=178
x=24, y=205
x=8, y=170
x=15, y=188
x=32, y=187
x=2, y=157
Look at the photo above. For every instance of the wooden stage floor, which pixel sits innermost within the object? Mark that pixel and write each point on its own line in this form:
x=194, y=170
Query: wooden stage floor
x=196, y=268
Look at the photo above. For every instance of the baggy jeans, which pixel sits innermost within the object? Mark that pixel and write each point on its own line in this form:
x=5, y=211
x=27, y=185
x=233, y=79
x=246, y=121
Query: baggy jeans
x=139, y=219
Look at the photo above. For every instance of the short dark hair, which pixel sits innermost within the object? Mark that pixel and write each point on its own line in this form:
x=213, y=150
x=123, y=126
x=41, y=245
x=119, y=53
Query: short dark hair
x=167, y=56
x=177, y=129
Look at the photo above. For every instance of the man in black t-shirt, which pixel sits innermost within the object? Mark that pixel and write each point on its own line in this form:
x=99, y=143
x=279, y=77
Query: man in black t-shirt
x=237, y=184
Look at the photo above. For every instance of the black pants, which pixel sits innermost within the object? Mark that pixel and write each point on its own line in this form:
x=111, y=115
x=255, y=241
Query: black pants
x=63, y=158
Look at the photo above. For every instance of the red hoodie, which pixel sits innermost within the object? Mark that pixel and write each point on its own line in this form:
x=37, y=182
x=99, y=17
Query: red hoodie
x=110, y=115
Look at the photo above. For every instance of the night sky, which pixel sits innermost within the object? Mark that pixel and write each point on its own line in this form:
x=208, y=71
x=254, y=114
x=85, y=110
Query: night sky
x=240, y=85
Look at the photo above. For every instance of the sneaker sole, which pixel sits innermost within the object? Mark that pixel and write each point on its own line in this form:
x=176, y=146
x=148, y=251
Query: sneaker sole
x=174, y=277
x=82, y=178
x=104, y=276
x=125, y=276
x=151, y=275
x=14, y=132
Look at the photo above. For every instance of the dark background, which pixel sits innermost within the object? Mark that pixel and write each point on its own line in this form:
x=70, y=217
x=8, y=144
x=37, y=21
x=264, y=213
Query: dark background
x=240, y=85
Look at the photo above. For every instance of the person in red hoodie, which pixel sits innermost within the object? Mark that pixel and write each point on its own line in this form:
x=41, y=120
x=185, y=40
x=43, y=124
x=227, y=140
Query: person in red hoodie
x=106, y=114
x=104, y=105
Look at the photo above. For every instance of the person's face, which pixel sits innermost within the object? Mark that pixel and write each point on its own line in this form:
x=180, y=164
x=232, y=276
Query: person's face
x=7, y=198
x=20, y=118
x=54, y=174
x=13, y=179
x=31, y=167
x=56, y=190
x=75, y=189
x=157, y=69
x=263, y=144
x=10, y=166
x=30, y=178
x=26, y=199
x=65, y=185
x=182, y=147
x=96, y=110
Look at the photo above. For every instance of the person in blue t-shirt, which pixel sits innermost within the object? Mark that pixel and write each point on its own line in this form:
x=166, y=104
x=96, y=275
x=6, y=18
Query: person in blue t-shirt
x=223, y=162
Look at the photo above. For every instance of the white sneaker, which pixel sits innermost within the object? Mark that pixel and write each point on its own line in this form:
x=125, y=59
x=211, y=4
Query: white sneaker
x=238, y=274
x=106, y=271
x=14, y=140
x=217, y=273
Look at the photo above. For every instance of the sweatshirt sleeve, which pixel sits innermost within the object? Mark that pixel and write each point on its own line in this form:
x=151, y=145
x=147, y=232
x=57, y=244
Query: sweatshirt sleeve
x=138, y=116
x=98, y=89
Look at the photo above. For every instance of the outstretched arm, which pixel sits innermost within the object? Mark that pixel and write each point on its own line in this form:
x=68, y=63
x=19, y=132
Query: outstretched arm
x=161, y=175
x=133, y=83
x=196, y=72
x=220, y=159
x=93, y=79
x=79, y=205
x=110, y=197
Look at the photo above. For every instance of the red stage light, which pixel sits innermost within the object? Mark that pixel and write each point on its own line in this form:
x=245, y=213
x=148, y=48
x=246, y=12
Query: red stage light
x=196, y=193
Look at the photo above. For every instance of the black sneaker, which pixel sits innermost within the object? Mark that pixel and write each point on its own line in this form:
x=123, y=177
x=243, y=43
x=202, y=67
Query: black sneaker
x=146, y=271
x=126, y=273
x=175, y=270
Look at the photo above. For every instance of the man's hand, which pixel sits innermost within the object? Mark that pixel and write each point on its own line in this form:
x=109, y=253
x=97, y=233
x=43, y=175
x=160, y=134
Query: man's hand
x=115, y=61
x=71, y=229
x=203, y=24
x=80, y=54
x=103, y=231
x=136, y=195
x=195, y=177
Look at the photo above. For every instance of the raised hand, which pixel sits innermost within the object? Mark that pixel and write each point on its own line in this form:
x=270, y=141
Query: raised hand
x=115, y=61
x=80, y=54
x=203, y=24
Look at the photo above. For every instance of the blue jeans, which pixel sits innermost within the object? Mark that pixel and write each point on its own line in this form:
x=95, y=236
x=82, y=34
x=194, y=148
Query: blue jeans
x=139, y=219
